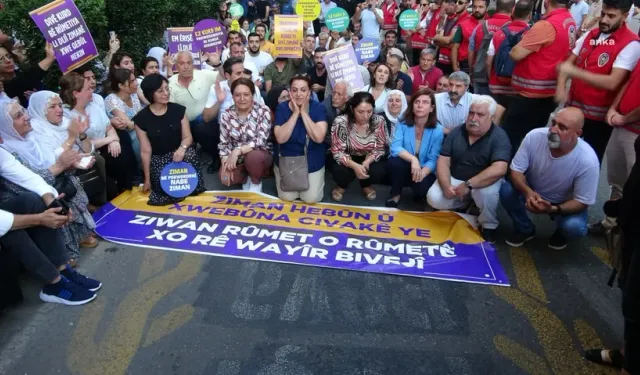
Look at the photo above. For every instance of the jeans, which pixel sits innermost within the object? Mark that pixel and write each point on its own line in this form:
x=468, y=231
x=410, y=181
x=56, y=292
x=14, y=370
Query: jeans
x=513, y=201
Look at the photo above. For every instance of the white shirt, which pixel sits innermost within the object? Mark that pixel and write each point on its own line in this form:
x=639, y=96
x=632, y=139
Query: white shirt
x=370, y=25
x=451, y=116
x=557, y=180
x=626, y=59
x=381, y=99
x=578, y=11
x=325, y=8
x=98, y=120
x=212, y=99
x=12, y=170
x=255, y=74
x=261, y=61
x=225, y=55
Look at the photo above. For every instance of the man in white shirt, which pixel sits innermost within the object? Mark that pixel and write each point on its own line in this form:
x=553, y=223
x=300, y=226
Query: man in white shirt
x=29, y=229
x=325, y=7
x=253, y=55
x=232, y=37
x=578, y=10
x=452, y=107
x=371, y=18
x=554, y=173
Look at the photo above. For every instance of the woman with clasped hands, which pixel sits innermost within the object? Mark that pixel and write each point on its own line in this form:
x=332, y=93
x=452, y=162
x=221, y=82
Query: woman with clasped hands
x=301, y=123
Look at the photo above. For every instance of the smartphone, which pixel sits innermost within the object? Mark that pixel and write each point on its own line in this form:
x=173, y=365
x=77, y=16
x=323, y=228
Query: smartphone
x=62, y=204
x=112, y=35
x=84, y=162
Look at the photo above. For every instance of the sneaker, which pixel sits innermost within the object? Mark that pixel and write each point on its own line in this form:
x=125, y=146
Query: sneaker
x=256, y=188
x=557, y=241
x=489, y=235
x=66, y=293
x=80, y=279
x=517, y=239
x=596, y=229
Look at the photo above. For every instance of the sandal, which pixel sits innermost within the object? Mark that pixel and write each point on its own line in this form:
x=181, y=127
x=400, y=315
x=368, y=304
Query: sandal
x=370, y=195
x=73, y=263
x=607, y=357
x=337, y=195
x=89, y=242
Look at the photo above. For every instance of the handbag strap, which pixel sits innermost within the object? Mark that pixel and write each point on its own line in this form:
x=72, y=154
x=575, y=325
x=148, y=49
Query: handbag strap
x=306, y=145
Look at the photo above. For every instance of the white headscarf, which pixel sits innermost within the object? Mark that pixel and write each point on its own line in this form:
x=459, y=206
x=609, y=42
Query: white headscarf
x=394, y=119
x=48, y=135
x=158, y=54
x=27, y=147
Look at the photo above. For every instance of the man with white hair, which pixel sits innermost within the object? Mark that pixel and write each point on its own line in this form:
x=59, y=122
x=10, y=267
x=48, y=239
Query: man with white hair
x=473, y=161
x=452, y=107
x=554, y=173
x=335, y=103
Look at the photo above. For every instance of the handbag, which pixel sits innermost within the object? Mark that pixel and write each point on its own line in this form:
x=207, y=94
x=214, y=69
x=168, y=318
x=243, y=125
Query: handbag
x=294, y=171
x=63, y=184
x=91, y=181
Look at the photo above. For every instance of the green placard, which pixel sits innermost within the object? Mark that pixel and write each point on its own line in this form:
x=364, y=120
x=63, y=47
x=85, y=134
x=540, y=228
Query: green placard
x=409, y=20
x=337, y=19
x=236, y=10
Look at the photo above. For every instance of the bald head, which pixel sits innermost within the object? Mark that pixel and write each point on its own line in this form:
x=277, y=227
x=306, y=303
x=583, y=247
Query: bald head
x=566, y=128
x=571, y=117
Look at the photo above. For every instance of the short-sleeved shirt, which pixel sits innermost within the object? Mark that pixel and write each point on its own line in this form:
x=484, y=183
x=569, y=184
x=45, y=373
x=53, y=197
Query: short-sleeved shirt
x=319, y=79
x=316, y=152
x=578, y=11
x=165, y=131
x=282, y=78
x=195, y=96
x=557, y=180
x=469, y=160
x=407, y=83
x=626, y=59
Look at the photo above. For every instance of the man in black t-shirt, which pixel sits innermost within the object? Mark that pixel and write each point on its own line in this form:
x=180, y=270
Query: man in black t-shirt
x=318, y=74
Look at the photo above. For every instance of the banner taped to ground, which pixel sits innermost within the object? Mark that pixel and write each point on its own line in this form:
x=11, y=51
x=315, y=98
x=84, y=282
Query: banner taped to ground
x=238, y=224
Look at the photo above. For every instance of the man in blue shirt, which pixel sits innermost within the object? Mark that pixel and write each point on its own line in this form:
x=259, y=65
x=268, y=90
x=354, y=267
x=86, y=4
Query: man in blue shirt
x=400, y=80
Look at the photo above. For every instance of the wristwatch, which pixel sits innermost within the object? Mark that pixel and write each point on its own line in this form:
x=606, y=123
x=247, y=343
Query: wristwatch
x=468, y=185
x=184, y=147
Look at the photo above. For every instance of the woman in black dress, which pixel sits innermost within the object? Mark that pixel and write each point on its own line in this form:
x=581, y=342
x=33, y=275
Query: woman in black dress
x=165, y=137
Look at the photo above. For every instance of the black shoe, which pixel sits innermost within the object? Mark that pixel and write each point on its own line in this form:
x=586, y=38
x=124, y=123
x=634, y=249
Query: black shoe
x=557, y=241
x=391, y=204
x=489, y=235
x=517, y=239
x=597, y=229
x=214, y=166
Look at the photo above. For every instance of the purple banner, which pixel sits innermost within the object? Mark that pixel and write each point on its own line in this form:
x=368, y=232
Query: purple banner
x=209, y=35
x=472, y=263
x=181, y=39
x=342, y=64
x=63, y=26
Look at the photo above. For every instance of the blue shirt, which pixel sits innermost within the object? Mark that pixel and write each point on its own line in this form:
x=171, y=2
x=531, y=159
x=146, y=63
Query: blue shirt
x=452, y=115
x=404, y=139
x=295, y=145
x=407, y=84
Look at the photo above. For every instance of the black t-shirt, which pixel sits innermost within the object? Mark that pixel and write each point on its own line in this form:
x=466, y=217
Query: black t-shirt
x=165, y=131
x=261, y=7
x=469, y=160
x=320, y=80
x=30, y=80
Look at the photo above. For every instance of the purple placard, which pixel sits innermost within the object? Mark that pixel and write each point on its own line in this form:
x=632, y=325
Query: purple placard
x=181, y=39
x=471, y=263
x=341, y=63
x=367, y=50
x=209, y=35
x=63, y=26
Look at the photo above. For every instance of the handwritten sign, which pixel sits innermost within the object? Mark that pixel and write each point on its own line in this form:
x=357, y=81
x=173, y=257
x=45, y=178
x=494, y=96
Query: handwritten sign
x=181, y=39
x=367, y=50
x=63, y=26
x=209, y=35
x=288, y=36
x=337, y=19
x=308, y=9
x=179, y=180
x=342, y=64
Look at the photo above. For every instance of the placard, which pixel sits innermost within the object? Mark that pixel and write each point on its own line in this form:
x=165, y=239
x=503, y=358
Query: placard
x=367, y=50
x=337, y=19
x=209, y=35
x=179, y=180
x=236, y=10
x=308, y=9
x=288, y=34
x=62, y=25
x=181, y=39
x=341, y=63
x=409, y=20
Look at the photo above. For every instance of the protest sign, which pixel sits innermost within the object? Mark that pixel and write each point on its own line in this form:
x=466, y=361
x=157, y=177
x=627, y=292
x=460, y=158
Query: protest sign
x=235, y=25
x=342, y=63
x=209, y=35
x=181, y=39
x=337, y=19
x=236, y=10
x=288, y=36
x=308, y=9
x=367, y=50
x=439, y=245
x=63, y=26
x=178, y=180
x=409, y=20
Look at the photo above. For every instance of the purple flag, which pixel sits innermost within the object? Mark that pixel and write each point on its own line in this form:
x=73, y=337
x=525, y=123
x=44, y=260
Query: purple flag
x=209, y=35
x=181, y=39
x=341, y=63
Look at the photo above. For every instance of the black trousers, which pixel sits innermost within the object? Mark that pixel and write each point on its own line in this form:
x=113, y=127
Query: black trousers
x=400, y=173
x=121, y=169
x=41, y=250
x=525, y=114
x=207, y=135
x=343, y=176
x=631, y=305
x=597, y=134
x=10, y=268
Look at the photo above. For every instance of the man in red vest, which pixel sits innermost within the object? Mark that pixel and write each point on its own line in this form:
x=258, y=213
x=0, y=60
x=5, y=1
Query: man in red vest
x=425, y=74
x=492, y=25
x=500, y=87
x=534, y=77
x=460, y=46
x=444, y=38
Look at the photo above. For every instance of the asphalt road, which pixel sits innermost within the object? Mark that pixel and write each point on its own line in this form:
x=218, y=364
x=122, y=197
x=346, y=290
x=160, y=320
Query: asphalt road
x=163, y=312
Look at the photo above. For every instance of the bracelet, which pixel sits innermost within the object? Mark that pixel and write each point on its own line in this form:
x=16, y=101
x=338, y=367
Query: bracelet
x=82, y=137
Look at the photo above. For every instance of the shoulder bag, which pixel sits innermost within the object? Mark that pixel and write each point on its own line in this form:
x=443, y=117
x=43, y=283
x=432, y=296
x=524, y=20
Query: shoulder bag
x=294, y=171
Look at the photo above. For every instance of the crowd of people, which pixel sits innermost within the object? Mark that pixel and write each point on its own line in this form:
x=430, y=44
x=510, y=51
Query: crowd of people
x=457, y=110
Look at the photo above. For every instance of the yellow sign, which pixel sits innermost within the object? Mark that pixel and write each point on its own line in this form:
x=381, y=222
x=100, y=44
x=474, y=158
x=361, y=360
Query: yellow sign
x=288, y=32
x=308, y=9
x=235, y=25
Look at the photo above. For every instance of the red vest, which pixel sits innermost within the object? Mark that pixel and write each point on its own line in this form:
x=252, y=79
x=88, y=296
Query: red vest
x=631, y=100
x=445, y=52
x=388, y=14
x=429, y=79
x=433, y=25
x=502, y=85
x=536, y=73
x=493, y=24
x=419, y=39
x=598, y=58
x=467, y=27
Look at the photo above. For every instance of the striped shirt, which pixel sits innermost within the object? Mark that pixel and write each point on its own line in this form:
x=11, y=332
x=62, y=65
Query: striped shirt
x=346, y=142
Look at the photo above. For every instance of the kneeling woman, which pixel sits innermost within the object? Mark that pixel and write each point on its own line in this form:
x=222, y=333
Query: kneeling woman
x=165, y=137
x=244, y=145
x=358, y=143
x=415, y=148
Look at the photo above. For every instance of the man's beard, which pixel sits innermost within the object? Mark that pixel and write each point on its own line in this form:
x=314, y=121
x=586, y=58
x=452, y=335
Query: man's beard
x=609, y=29
x=454, y=95
x=254, y=52
x=553, y=140
x=478, y=15
x=320, y=66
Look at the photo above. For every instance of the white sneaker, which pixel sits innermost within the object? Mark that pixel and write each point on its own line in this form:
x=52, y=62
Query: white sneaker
x=247, y=185
x=256, y=188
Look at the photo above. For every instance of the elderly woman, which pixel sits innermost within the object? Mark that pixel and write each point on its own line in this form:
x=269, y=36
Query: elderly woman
x=415, y=148
x=358, y=145
x=123, y=103
x=300, y=128
x=394, y=108
x=244, y=139
x=380, y=87
x=165, y=137
x=47, y=159
x=116, y=151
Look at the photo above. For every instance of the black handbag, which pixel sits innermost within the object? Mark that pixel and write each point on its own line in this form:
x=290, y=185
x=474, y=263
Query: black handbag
x=91, y=181
x=63, y=184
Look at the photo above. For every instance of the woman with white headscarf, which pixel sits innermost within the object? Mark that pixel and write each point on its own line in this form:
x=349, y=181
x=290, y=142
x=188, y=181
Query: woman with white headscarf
x=56, y=167
x=165, y=65
x=394, y=108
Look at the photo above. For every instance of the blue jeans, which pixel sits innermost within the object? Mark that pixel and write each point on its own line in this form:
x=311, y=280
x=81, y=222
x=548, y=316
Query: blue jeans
x=513, y=201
